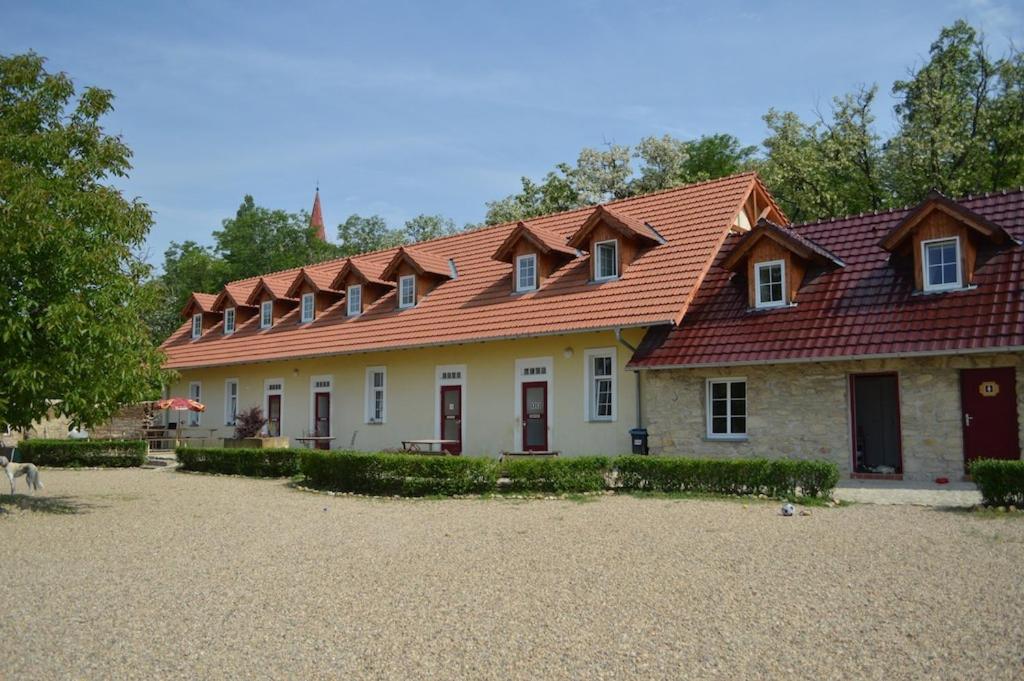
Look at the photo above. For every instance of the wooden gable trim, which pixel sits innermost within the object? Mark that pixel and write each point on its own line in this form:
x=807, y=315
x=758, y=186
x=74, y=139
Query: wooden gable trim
x=524, y=232
x=226, y=300
x=351, y=271
x=418, y=262
x=938, y=202
x=627, y=226
x=194, y=305
x=263, y=291
x=768, y=230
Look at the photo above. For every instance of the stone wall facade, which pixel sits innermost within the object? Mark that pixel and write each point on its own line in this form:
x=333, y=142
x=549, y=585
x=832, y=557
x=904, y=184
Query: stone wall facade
x=803, y=410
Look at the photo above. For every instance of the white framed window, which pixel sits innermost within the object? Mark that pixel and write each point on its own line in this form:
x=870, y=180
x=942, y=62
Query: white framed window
x=354, y=300
x=197, y=325
x=940, y=260
x=407, y=290
x=230, y=401
x=600, y=388
x=308, y=307
x=229, y=320
x=195, y=392
x=770, y=283
x=376, y=394
x=727, y=408
x=266, y=314
x=526, y=272
x=606, y=260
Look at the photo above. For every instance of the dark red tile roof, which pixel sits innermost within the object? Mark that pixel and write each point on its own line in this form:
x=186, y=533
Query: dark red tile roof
x=478, y=305
x=866, y=308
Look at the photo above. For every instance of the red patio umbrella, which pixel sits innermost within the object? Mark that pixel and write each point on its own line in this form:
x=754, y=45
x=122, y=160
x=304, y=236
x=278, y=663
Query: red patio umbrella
x=179, y=404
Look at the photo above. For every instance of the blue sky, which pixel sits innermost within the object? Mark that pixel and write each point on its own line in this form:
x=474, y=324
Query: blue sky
x=407, y=108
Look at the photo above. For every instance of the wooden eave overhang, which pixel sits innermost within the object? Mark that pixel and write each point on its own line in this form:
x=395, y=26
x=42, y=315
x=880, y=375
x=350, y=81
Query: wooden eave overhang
x=935, y=201
x=800, y=246
x=629, y=227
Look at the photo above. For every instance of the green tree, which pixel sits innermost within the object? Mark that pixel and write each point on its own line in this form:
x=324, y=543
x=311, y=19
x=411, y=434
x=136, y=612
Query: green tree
x=602, y=175
x=426, y=227
x=830, y=167
x=72, y=293
x=944, y=115
x=555, y=194
x=260, y=240
x=360, y=234
x=714, y=156
x=187, y=267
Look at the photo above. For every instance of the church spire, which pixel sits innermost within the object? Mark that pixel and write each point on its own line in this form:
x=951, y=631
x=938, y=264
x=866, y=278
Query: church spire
x=316, y=218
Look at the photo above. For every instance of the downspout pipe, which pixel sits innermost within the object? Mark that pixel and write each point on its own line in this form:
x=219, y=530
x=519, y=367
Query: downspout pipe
x=639, y=395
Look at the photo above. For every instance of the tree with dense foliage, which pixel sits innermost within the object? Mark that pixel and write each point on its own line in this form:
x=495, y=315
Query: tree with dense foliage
x=360, y=234
x=426, y=227
x=72, y=293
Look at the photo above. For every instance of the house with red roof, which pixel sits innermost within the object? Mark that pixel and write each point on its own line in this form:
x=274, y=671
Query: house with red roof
x=891, y=343
x=513, y=337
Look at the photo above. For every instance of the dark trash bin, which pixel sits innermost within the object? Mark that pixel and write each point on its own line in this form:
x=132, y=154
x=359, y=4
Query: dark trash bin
x=638, y=436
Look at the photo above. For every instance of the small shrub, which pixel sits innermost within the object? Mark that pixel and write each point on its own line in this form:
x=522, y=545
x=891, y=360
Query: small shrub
x=249, y=423
x=557, y=475
x=107, y=453
x=1000, y=481
x=405, y=474
x=259, y=463
x=773, y=477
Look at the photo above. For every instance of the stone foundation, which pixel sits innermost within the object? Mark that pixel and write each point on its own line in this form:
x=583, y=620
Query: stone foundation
x=803, y=411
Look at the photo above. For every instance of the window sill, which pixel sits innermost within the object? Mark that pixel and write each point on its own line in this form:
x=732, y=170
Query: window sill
x=937, y=291
x=725, y=438
x=769, y=308
x=593, y=420
x=374, y=423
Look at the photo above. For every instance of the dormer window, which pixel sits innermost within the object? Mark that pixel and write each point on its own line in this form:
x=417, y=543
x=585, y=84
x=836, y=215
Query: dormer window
x=406, y=291
x=526, y=272
x=266, y=314
x=354, y=300
x=197, y=325
x=770, y=288
x=941, y=259
x=229, y=320
x=606, y=260
x=308, y=307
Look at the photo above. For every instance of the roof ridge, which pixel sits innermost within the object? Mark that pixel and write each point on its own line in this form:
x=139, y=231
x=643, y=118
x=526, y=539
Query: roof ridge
x=481, y=228
x=896, y=209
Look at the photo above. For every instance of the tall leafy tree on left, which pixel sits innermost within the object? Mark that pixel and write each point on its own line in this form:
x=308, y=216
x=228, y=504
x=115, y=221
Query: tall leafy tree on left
x=72, y=292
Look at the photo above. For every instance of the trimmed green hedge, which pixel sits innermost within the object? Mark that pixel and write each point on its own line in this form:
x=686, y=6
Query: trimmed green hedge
x=110, y=453
x=260, y=463
x=559, y=475
x=1001, y=481
x=405, y=474
x=773, y=477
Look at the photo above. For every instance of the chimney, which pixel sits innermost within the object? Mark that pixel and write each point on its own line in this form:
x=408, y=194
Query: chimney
x=316, y=218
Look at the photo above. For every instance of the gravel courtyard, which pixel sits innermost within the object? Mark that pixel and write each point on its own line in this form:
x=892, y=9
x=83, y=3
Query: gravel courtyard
x=159, y=574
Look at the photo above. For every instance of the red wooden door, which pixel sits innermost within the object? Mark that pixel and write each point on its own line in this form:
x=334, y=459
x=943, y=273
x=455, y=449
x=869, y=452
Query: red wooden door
x=451, y=417
x=322, y=418
x=274, y=415
x=988, y=398
x=535, y=417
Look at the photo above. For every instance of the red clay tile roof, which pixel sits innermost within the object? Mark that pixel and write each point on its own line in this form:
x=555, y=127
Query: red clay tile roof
x=367, y=272
x=277, y=285
x=868, y=308
x=938, y=201
x=786, y=236
x=318, y=279
x=421, y=261
x=543, y=240
x=479, y=305
x=624, y=224
x=233, y=295
x=203, y=301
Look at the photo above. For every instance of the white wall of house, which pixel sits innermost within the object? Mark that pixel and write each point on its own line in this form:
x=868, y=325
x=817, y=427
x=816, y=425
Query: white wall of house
x=491, y=376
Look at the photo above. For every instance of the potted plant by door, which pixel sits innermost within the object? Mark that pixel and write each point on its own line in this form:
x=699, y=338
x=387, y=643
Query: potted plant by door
x=248, y=426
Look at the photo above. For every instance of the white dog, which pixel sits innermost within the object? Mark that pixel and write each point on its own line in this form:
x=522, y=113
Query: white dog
x=15, y=470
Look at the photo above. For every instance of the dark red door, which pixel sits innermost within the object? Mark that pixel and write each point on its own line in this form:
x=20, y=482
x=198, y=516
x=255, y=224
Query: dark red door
x=322, y=419
x=274, y=415
x=535, y=417
x=988, y=398
x=451, y=417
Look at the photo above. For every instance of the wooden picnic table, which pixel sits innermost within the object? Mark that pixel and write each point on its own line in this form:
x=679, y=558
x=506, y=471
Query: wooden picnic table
x=427, y=446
